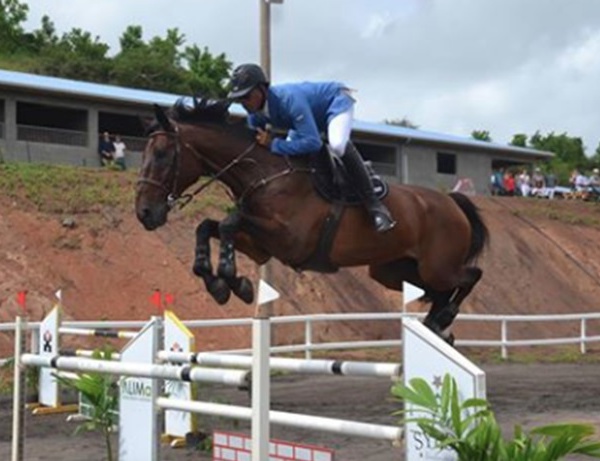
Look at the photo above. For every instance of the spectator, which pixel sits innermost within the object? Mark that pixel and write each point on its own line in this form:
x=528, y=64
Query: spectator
x=538, y=183
x=595, y=178
x=497, y=182
x=524, y=183
x=119, y=154
x=581, y=182
x=106, y=150
x=509, y=183
x=550, y=182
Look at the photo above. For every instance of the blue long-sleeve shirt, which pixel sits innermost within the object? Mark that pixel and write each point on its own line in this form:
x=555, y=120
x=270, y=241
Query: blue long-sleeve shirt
x=303, y=108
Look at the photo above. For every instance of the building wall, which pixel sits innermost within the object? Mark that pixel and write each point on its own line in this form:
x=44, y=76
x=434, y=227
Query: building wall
x=41, y=152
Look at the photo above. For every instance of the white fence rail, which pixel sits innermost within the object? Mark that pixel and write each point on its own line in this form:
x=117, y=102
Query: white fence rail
x=308, y=346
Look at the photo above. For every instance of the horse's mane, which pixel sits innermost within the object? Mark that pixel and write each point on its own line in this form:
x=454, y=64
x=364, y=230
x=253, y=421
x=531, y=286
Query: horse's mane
x=197, y=109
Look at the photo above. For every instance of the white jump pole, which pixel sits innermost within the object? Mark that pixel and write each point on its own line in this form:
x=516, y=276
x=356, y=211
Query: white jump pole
x=317, y=423
x=300, y=366
x=140, y=370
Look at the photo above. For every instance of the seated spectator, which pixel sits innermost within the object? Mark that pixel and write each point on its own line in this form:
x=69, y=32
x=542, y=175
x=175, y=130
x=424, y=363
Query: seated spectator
x=594, y=179
x=538, y=183
x=119, y=154
x=106, y=150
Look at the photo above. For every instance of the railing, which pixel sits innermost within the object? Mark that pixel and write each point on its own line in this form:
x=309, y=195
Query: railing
x=51, y=135
x=309, y=321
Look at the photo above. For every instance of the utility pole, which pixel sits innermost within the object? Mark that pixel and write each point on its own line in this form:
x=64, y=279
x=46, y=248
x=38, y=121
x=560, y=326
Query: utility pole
x=261, y=323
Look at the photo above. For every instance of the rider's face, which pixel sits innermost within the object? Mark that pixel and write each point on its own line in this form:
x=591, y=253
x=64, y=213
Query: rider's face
x=253, y=101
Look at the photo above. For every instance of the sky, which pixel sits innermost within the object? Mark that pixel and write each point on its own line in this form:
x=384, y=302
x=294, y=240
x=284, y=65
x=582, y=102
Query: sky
x=451, y=66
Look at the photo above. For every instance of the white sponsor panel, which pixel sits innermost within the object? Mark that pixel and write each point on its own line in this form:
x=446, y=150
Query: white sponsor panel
x=138, y=424
x=429, y=357
x=48, y=346
x=178, y=338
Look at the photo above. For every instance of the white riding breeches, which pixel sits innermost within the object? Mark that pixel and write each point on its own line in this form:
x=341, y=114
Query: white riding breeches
x=338, y=131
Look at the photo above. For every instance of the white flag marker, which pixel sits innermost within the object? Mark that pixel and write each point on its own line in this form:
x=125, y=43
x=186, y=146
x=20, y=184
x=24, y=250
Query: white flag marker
x=58, y=295
x=410, y=293
x=266, y=293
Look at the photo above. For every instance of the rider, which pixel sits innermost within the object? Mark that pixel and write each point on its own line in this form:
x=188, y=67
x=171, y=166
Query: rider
x=307, y=109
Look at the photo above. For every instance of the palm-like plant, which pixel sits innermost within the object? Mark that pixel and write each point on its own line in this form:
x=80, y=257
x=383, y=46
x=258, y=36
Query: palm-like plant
x=470, y=429
x=100, y=392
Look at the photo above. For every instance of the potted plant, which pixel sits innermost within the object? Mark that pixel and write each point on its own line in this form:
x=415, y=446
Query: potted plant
x=469, y=428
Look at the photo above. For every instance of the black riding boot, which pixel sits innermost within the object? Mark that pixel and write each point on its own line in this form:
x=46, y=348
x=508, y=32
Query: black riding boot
x=361, y=180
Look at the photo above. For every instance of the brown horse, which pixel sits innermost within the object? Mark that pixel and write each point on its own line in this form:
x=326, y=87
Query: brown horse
x=279, y=214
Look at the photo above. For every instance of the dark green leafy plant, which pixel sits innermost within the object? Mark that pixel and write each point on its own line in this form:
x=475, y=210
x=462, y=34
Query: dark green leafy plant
x=469, y=428
x=101, y=393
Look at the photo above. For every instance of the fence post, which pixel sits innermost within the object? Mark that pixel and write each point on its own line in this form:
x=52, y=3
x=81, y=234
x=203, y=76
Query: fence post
x=307, y=339
x=583, y=336
x=504, y=339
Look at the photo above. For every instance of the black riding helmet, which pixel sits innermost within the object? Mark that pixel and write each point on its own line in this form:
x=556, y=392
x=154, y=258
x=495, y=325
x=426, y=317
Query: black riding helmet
x=244, y=79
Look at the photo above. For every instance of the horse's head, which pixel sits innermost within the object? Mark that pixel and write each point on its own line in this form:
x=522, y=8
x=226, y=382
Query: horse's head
x=165, y=172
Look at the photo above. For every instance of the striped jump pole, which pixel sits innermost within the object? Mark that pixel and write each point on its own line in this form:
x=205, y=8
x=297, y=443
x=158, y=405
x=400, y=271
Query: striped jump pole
x=301, y=366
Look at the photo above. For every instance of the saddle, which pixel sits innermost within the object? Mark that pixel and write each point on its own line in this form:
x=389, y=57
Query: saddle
x=329, y=179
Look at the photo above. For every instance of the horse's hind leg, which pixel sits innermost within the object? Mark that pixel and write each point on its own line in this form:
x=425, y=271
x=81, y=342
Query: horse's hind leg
x=446, y=304
x=216, y=286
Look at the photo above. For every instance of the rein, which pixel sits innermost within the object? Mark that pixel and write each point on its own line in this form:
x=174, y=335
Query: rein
x=173, y=199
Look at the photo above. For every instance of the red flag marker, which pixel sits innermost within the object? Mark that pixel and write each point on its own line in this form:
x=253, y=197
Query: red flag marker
x=169, y=299
x=21, y=299
x=156, y=299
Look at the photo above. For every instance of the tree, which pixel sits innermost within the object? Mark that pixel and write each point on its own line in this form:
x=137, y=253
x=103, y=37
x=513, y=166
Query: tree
x=12, y=15
x=519, y=140
x=155, y=65
x=76, y=55
x=568, y=149
x=207, y=73
x=481, y=135
x=404, y=121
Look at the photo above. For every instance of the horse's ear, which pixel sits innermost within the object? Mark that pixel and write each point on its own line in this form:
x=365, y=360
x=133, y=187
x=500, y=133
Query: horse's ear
x=162, y=119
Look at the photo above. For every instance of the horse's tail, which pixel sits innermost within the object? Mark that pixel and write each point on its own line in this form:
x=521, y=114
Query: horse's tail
x=480, y=235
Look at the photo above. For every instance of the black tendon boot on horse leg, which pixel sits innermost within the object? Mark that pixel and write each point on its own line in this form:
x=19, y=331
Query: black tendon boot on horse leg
x=216, y=286
x=360, y=178
x=241, y=286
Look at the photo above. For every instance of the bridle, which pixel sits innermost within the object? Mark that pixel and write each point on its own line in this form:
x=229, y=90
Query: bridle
x=174, y=199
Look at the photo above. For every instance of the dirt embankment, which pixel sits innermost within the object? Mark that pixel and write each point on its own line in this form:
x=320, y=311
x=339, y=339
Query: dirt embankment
x=543, y=258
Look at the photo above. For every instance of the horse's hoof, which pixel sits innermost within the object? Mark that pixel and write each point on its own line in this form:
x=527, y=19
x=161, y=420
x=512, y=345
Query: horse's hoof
x=243, y=289
x=449, y=338
x=219, y=290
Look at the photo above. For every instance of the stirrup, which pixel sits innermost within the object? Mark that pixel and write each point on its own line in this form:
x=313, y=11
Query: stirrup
x=383, y=222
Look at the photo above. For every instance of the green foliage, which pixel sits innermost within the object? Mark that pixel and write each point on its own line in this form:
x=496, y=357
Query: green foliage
x=567, y=149
x=66, y=189
x=519, y=140
x=469, y=428
x=12, y=14
x=207, y=74
x=161, y=64
x=481, y=135
x=101, y=392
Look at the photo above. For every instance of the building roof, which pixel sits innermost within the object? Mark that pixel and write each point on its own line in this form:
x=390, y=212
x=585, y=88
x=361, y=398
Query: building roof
x=43, y=83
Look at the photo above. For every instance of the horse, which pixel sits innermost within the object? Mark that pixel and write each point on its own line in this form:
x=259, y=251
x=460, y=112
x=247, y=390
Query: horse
x=279, y=214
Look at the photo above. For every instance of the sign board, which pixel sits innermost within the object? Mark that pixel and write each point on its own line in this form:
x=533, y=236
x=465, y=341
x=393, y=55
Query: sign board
x=49, y=392
x=178, y=338
x=138, y=421
x=429, y=357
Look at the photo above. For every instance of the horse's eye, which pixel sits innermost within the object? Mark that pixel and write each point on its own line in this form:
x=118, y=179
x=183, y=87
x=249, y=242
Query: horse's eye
x=161, y=154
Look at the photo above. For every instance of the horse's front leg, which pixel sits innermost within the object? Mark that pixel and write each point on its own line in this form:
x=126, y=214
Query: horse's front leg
x=217, y=287
x=241, y=286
